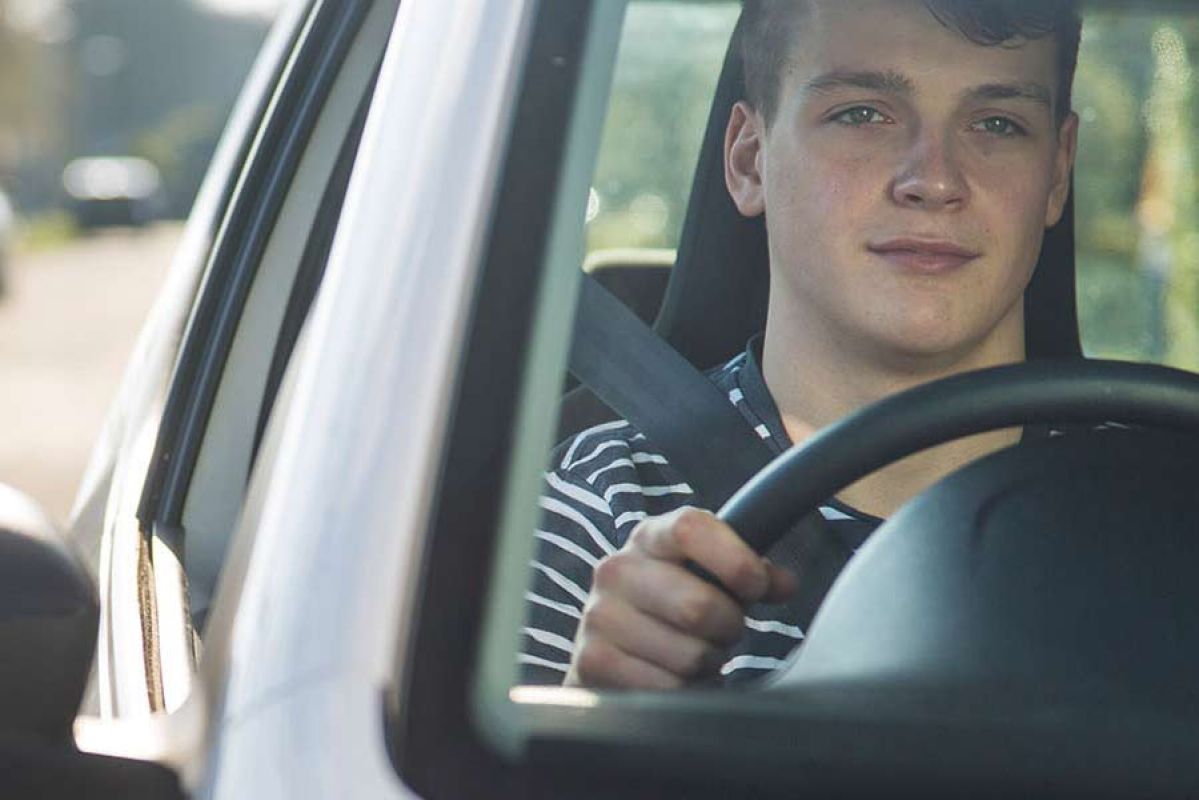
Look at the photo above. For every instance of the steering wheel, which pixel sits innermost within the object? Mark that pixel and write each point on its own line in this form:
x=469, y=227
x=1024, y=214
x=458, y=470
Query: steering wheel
x=1046, y=591
x=797, y=482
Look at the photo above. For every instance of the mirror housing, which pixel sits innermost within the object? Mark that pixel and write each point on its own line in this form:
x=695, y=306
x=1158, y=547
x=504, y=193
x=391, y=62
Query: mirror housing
x=49, y=620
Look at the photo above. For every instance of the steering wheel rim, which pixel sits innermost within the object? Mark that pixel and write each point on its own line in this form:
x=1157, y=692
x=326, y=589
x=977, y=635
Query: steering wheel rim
x=1068, y=391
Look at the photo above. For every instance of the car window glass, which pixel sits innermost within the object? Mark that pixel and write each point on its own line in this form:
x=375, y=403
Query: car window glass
x=1137, y=230
x=669, y=59
x=1136, y=237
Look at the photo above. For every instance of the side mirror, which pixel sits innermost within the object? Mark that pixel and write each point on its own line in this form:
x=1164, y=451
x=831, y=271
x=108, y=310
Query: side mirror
x=49, y=619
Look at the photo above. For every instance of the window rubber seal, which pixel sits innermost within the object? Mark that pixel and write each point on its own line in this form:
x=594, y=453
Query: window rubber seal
x=328, y=35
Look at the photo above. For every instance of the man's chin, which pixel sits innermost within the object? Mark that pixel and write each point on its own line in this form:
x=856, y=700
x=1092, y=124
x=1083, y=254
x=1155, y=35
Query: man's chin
x=924, y=351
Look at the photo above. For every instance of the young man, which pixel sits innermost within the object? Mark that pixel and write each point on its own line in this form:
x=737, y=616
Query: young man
x=908, y=156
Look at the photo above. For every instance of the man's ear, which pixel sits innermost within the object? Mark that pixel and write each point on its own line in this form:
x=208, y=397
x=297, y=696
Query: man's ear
x=1063, y=166
x=744, y=140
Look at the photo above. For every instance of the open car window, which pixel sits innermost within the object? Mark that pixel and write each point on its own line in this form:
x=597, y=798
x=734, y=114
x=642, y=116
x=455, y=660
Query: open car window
x=666, y=70
x=1135, y=229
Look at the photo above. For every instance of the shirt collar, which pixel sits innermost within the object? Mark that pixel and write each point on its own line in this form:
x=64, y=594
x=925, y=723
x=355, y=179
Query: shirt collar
x=757, y=396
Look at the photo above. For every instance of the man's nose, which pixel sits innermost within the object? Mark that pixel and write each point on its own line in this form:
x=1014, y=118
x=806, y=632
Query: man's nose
x=930, y=175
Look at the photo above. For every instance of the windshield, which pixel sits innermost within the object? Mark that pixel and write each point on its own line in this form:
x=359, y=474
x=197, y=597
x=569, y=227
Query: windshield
x=901, y=218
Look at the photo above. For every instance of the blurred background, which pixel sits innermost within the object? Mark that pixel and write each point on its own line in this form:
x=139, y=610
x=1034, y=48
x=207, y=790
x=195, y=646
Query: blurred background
x=109, y=113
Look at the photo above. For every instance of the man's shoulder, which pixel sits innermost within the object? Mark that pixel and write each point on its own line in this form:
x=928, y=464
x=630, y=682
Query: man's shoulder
x=593, y=456
x=610, y=475
x=602, y=445
x=616, y=466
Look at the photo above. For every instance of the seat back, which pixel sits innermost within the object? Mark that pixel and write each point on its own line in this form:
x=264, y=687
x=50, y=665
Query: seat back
x=637, y=277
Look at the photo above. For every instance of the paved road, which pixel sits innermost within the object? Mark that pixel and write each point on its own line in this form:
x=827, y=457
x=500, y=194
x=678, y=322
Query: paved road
x=67, y=328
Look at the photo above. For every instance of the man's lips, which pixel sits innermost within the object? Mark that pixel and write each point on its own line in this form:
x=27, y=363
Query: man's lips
x=924, y=256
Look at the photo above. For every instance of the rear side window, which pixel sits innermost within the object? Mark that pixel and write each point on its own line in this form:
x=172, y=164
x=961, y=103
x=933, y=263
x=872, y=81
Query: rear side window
x=1137, y=231
x=666, y=70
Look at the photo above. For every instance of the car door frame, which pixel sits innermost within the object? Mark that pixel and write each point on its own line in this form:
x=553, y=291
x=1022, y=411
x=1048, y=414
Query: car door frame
x=145, y=607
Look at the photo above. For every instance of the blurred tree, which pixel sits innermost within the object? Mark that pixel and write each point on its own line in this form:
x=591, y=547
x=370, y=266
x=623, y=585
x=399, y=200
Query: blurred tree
x=32, y=97
x=158, y=79
x=1113, y=75
x=670, y=56
x=1137, y=228
x=1167, y=207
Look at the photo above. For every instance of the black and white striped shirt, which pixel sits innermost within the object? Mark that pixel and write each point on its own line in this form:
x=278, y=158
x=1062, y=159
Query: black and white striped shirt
x=604, y=481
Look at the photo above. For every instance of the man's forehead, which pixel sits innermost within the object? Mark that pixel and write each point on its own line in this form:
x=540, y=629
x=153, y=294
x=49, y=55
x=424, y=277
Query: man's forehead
x=900, y=45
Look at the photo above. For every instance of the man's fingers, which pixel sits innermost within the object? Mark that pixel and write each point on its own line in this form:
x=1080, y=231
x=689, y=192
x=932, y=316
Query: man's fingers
x=643, y=637
x=691, y=534
x=651, y=623
x=671, y=594
x=599, y=664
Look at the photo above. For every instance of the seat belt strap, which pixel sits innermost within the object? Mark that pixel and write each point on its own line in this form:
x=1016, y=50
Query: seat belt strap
x=644, y=380
x=703, y=436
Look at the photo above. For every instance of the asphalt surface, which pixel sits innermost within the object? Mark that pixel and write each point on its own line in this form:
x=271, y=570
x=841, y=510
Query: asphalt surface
x=68, y=323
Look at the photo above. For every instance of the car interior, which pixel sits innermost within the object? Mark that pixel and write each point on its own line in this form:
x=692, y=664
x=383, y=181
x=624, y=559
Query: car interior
x=834, y=728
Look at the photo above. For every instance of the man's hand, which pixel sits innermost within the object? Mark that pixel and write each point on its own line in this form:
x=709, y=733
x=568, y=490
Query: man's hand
x=650, y=623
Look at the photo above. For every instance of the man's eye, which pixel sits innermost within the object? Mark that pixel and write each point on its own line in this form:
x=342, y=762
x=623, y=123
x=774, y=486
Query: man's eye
x=999, y=126
x=859, y=115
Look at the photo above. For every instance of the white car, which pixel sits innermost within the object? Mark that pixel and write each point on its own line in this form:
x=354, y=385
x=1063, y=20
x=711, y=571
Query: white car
x=8, y=221
x=308, y=521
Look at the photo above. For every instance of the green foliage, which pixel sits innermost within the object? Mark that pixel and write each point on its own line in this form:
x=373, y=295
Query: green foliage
x=180, y=146
x=46, y=231
x=1135, y=199
x=670, y=57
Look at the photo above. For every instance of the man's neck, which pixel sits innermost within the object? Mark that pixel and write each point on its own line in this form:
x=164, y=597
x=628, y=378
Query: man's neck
x=815, y=378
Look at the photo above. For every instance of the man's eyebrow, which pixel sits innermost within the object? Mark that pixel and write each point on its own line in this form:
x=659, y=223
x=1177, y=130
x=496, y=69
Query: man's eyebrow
x=1011, y=91
x=893, y=82
x=886, y=81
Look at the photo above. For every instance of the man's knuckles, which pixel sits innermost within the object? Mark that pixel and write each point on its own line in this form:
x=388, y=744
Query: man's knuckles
x=689, y=525
x=604, y=617
x=746, y=576
x=699, y=536
x=702, y=611
x=595, y=661
x=613, y=570
x=672, y=535
x=690, y=533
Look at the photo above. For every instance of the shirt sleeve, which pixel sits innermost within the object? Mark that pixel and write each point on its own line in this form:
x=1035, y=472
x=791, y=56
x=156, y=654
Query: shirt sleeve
x=576, y=530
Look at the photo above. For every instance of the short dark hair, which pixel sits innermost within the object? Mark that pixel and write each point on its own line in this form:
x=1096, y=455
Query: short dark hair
x=768, y=29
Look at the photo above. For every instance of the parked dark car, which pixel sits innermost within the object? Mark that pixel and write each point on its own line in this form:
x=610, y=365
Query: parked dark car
x=107, y=192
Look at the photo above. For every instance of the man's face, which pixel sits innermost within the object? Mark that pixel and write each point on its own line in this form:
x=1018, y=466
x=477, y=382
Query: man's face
x=907, y=178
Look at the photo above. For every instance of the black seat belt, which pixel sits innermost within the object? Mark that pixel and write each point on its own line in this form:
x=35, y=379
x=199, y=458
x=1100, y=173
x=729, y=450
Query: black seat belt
x=644, y=380
x=703, y=436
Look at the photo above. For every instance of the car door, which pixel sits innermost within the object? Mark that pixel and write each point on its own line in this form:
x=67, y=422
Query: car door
x=168, y=480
